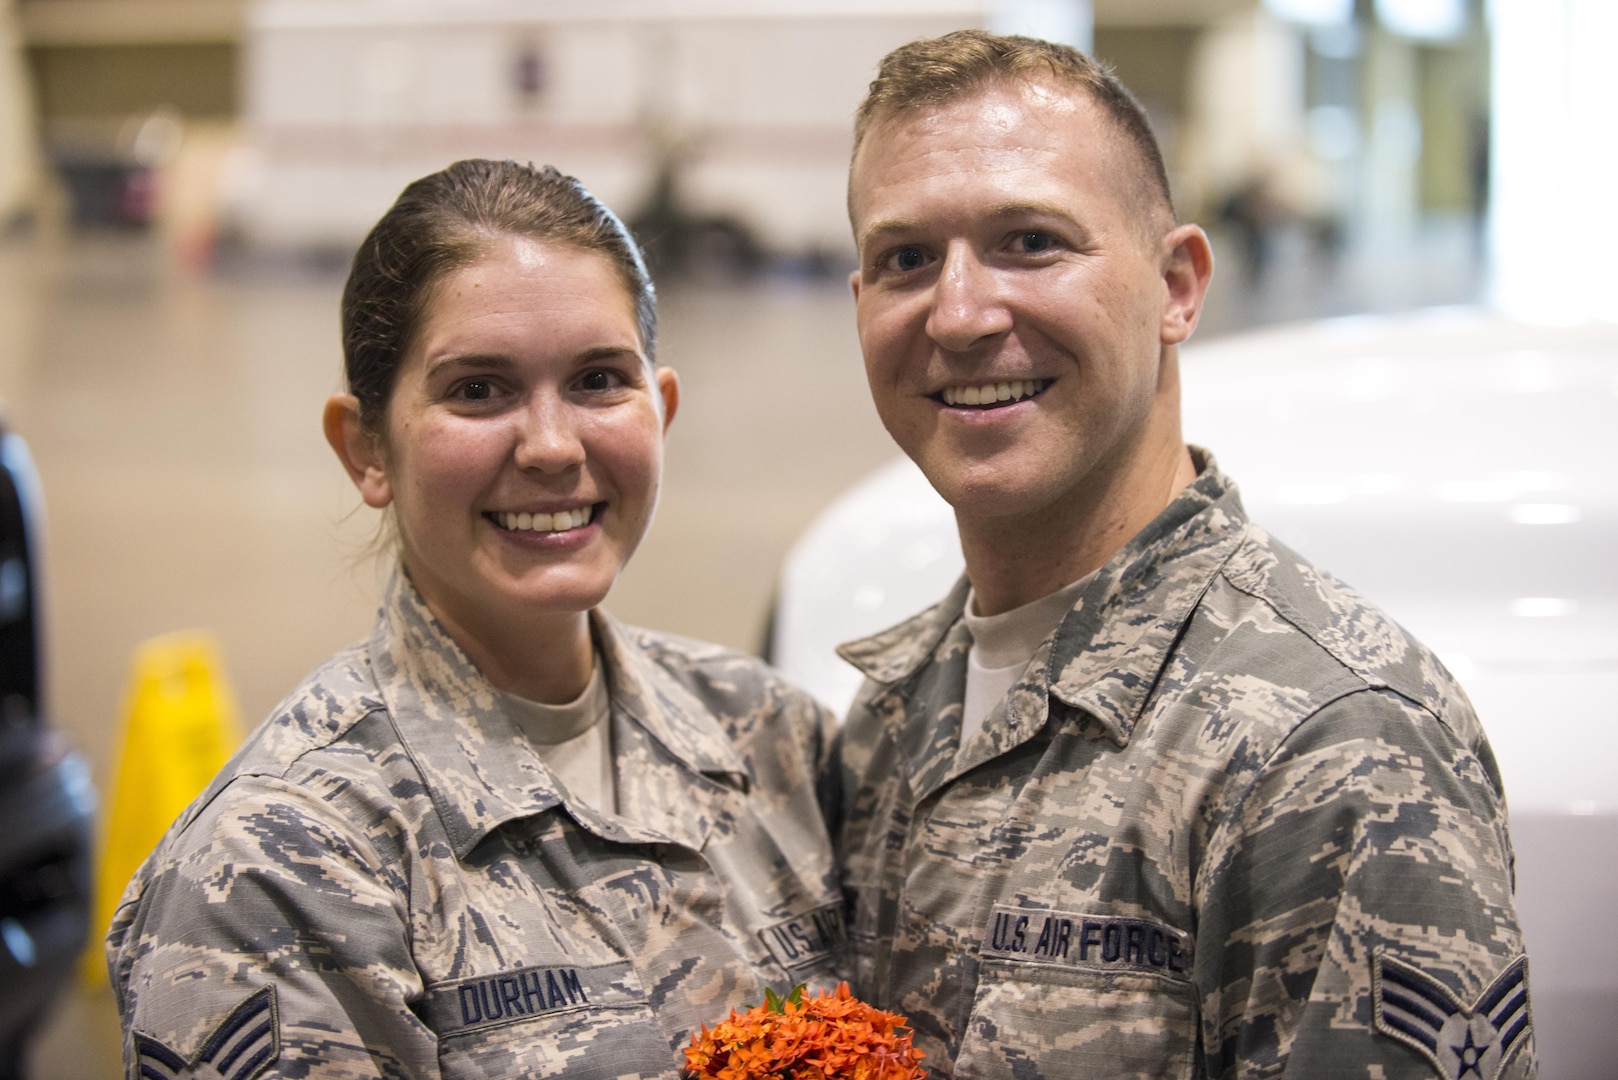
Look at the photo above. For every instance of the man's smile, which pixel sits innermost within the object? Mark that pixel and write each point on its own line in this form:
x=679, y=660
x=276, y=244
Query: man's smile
x=991, y=395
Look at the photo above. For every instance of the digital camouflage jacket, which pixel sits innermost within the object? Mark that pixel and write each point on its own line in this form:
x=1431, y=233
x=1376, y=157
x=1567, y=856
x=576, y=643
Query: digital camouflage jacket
x=387, y=882
x=1231, y=822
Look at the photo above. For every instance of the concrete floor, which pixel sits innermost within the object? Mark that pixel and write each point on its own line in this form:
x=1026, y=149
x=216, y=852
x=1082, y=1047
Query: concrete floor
x=174, y=420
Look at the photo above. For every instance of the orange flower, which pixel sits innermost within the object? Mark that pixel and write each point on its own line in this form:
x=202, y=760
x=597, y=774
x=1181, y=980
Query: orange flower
x=827, y=1037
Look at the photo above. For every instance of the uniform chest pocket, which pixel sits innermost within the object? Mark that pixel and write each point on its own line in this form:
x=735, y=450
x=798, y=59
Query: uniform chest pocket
x=579, y=1022
x=1055, y=1023
x=1064, y=995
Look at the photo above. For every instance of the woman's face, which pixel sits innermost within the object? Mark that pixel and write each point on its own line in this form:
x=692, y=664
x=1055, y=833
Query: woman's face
x=523, y=444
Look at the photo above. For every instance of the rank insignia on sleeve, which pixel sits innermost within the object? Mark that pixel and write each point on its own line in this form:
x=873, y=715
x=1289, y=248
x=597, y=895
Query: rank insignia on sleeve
x=1463, y=1042
x=243, y=1045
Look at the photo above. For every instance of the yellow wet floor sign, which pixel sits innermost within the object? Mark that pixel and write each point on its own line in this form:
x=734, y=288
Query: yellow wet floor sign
x=179, y=727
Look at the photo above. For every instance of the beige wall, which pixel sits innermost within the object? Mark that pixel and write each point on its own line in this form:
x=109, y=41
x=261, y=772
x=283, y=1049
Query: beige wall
x=106, y=81
x=1155, y=63
x=108, y=60
x=19, y=156
x=1223, y=82
x=1246, y=102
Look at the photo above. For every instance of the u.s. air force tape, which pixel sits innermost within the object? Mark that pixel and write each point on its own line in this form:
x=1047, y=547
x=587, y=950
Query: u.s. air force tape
x=1111, y=943
x=805, y=938
x=506, y=997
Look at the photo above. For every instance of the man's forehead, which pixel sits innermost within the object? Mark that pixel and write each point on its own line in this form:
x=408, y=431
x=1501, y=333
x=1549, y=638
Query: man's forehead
x=1064, y=119
x=1007, y=103
x=1034, y=117
x=1002, y=104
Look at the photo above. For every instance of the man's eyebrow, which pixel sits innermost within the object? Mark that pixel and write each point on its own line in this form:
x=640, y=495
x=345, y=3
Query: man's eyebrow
x=1019, y=208
x=1029, y=209
x=886, y=227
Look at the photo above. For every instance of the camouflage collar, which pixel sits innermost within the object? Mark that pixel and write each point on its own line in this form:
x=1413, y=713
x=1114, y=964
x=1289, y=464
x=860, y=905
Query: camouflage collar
x=670, y=713
x=898, y=652
x=478, y=769
x=1109, y=650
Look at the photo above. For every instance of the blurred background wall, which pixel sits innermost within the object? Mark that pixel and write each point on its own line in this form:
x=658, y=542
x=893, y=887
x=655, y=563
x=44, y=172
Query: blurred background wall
x=288, y=124
x=183, y=181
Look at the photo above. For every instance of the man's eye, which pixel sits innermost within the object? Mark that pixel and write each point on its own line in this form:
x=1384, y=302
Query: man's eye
x=598, y=380
x=908, y=259
x=1034, y=242
x=476, y=390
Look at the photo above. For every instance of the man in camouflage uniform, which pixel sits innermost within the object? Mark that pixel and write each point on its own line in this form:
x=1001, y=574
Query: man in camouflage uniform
x=388, y=882
x=1228, y=820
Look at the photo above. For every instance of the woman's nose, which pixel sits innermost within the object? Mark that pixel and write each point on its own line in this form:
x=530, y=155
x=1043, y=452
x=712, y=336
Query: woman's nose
x=548, y=437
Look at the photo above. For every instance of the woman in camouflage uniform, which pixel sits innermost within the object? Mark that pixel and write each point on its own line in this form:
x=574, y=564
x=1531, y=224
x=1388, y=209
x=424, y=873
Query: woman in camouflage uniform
x=506, y=835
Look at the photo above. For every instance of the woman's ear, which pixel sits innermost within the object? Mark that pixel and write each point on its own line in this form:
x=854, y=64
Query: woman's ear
x=668, y=385
x=358, y=450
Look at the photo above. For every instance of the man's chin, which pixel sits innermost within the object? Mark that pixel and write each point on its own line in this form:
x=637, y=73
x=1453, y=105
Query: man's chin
x=990, y=500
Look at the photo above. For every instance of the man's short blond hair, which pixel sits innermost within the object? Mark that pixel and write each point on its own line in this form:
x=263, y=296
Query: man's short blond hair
x=934, y=72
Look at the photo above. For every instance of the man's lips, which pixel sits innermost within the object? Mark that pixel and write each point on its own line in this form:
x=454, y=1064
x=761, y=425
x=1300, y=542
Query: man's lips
x=991, y=394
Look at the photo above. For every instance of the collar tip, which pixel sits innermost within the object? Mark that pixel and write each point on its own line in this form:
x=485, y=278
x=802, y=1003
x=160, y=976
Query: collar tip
x=729, y=776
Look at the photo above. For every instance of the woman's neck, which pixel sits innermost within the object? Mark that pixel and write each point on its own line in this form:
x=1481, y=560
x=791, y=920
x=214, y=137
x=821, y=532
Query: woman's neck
x=552, y=671
x=546, y=659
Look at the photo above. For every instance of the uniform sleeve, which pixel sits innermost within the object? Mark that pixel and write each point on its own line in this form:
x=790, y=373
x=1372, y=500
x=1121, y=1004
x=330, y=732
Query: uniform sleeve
x=268, y=930
x=1356, y=909
x=829, y=789
x=820, y=726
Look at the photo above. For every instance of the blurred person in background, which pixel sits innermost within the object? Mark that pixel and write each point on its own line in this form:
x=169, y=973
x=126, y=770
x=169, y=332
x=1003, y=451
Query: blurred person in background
x=507, y=835
x=1147, y=795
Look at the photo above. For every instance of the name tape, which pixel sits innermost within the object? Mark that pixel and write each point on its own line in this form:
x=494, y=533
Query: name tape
x=1093, y=942
x=483, y=1001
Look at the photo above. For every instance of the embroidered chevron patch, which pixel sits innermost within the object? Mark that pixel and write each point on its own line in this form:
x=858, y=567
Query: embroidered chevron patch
x=1461, y=1041
x=243, y=1045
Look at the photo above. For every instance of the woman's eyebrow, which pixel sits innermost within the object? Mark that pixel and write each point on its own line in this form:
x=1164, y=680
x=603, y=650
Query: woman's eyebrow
x=499, y=362
x=481, y=361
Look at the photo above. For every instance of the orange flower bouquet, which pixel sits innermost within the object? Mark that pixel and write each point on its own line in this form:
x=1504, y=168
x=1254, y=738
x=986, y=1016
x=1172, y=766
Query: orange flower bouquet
x=827, y=1037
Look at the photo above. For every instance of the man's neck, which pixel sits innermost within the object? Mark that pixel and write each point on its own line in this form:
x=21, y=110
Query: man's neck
x=1014, y=562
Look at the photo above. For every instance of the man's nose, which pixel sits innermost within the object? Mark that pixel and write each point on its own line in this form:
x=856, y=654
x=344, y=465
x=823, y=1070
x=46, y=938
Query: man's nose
x=967, y=306
x=547, y=436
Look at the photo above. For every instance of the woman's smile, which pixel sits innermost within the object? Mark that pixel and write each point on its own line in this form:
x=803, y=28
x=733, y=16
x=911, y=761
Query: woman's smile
x=540, y=521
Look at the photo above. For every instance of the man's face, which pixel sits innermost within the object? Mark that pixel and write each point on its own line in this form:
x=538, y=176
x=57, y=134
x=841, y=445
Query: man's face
x=1004, y=255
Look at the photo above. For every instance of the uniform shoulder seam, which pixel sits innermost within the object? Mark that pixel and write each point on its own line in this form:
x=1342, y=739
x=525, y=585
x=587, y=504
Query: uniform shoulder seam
x=1254, y=581
x=288, y=735
x=1340, y=690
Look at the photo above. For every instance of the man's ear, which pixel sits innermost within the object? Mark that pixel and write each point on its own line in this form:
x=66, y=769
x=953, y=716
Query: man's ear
x=854, y=284
x=668, y=386
x=1187, y=269
x=358, y=450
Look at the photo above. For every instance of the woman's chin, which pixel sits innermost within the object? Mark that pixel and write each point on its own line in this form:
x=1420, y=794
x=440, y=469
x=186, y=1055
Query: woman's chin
x=561, y=594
